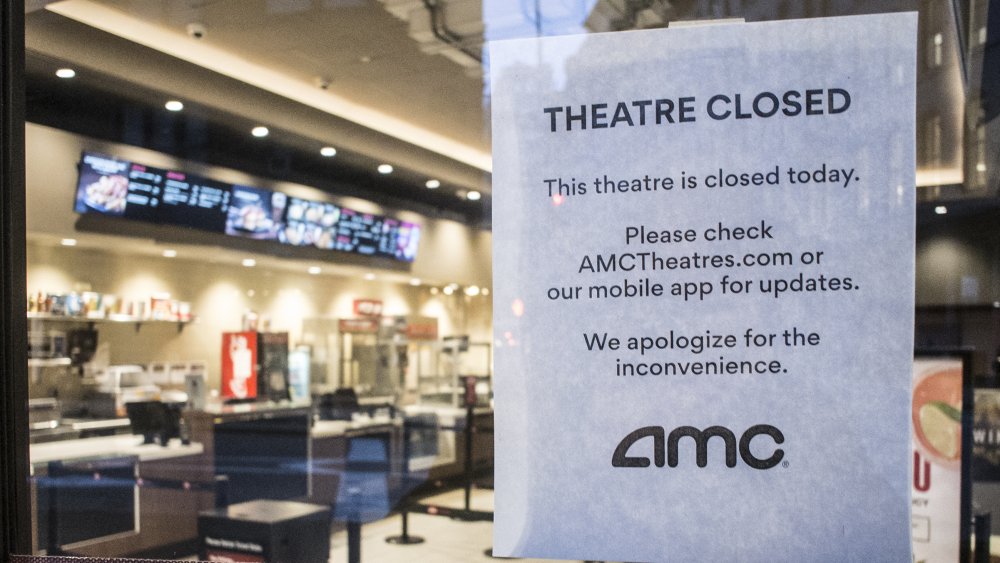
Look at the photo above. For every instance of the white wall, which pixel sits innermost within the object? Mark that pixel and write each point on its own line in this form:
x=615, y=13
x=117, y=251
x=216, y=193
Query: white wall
x=449, y=251
x=219, y=290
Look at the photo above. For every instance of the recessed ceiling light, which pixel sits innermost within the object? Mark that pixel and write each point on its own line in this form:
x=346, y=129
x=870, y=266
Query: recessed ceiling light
x=981, y=167
x=434, y=291
x=169, y=253
x=249, y=262
x=174, y=105
x=369, y=276
x=385, y=169
x=68, y=242
x=472, y=290
x=259, y=131
x=448, y=290
x=315, y=270
x=486, y=291
x=433, y=184
x=415, y=281
x=328, y=151
x=940, y=210
x=473, y=195
x=65, y=73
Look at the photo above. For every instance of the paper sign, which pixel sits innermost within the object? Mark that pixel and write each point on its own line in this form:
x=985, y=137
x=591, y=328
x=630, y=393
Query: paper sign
x=937, y=460
x=704, y=301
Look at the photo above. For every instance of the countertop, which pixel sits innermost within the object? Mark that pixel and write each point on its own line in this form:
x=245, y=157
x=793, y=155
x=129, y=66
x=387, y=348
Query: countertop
x=331, y=428
x=109, y=446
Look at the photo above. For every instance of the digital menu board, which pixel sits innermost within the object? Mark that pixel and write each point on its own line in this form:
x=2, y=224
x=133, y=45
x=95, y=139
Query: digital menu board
x=115, y=187
x=193, y=201
x=111, y=186
x=255, y=213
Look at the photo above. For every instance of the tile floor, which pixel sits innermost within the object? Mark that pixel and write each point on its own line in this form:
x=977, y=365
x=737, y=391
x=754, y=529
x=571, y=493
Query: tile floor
x=447, y=540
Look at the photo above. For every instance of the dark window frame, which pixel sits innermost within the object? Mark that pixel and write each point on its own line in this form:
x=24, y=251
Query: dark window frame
x=15, y=518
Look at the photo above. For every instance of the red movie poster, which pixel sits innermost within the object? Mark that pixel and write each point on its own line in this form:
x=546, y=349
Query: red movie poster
x=239, y=365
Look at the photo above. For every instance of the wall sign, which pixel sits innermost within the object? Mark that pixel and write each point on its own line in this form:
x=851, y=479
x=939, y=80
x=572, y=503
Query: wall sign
x=705, y=307
x=368, y=307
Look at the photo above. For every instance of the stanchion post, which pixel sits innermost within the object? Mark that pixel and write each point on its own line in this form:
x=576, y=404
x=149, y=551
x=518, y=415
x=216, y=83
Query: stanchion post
x=469, y=429
x=405, y=538
x=353, y=542
x=982, y=525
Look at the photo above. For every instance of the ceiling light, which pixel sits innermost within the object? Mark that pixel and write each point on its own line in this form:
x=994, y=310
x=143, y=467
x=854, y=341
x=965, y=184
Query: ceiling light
x=448, y=290
x=940, y=210
x=981, y=167
x=385, y=169
x=486, y=291
x=169, y=253
x=473, y=195
x=249, y=262
x=433, y=184
x=259, y=131
x=369, y=276
x=174, y=105
x=314, y=270
x=472, y=290
x=65, y=73
x=68, y=242
x=328, y=151
x=415, y=281
x=434, y=291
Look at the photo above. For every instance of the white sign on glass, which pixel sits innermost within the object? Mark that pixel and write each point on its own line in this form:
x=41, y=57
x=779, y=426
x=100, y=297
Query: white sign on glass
x=704, y=292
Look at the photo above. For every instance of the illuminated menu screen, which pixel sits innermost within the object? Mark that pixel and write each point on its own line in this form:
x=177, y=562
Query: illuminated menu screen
x=110, y=186
x=192, y=201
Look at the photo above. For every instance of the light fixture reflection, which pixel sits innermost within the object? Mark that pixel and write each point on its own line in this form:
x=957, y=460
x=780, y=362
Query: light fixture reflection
x=174, y=105
x=473, y=195
x=260, y=131
x=169, y=253
x=328, y=151
x=433, y=184
x=249, y=262
x=314, y=270
x=68, y=242
x=415, y=282
x=65, y=73
x=385, y=169
x=941, y=210
x=517, y=307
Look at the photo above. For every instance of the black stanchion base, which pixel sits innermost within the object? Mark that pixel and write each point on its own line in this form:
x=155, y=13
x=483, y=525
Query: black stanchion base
x=404, y=540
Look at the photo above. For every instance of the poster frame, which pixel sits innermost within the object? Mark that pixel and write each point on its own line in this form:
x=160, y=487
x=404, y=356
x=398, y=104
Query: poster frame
x=964, y=355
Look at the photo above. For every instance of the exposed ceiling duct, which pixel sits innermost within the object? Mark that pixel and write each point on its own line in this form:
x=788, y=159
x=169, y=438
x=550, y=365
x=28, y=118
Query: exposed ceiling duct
x=451, y=28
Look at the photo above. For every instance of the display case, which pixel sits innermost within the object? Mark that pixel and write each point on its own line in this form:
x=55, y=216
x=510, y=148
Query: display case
x=443, y=366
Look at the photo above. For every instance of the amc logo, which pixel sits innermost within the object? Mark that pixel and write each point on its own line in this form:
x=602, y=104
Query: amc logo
x=665, y=446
